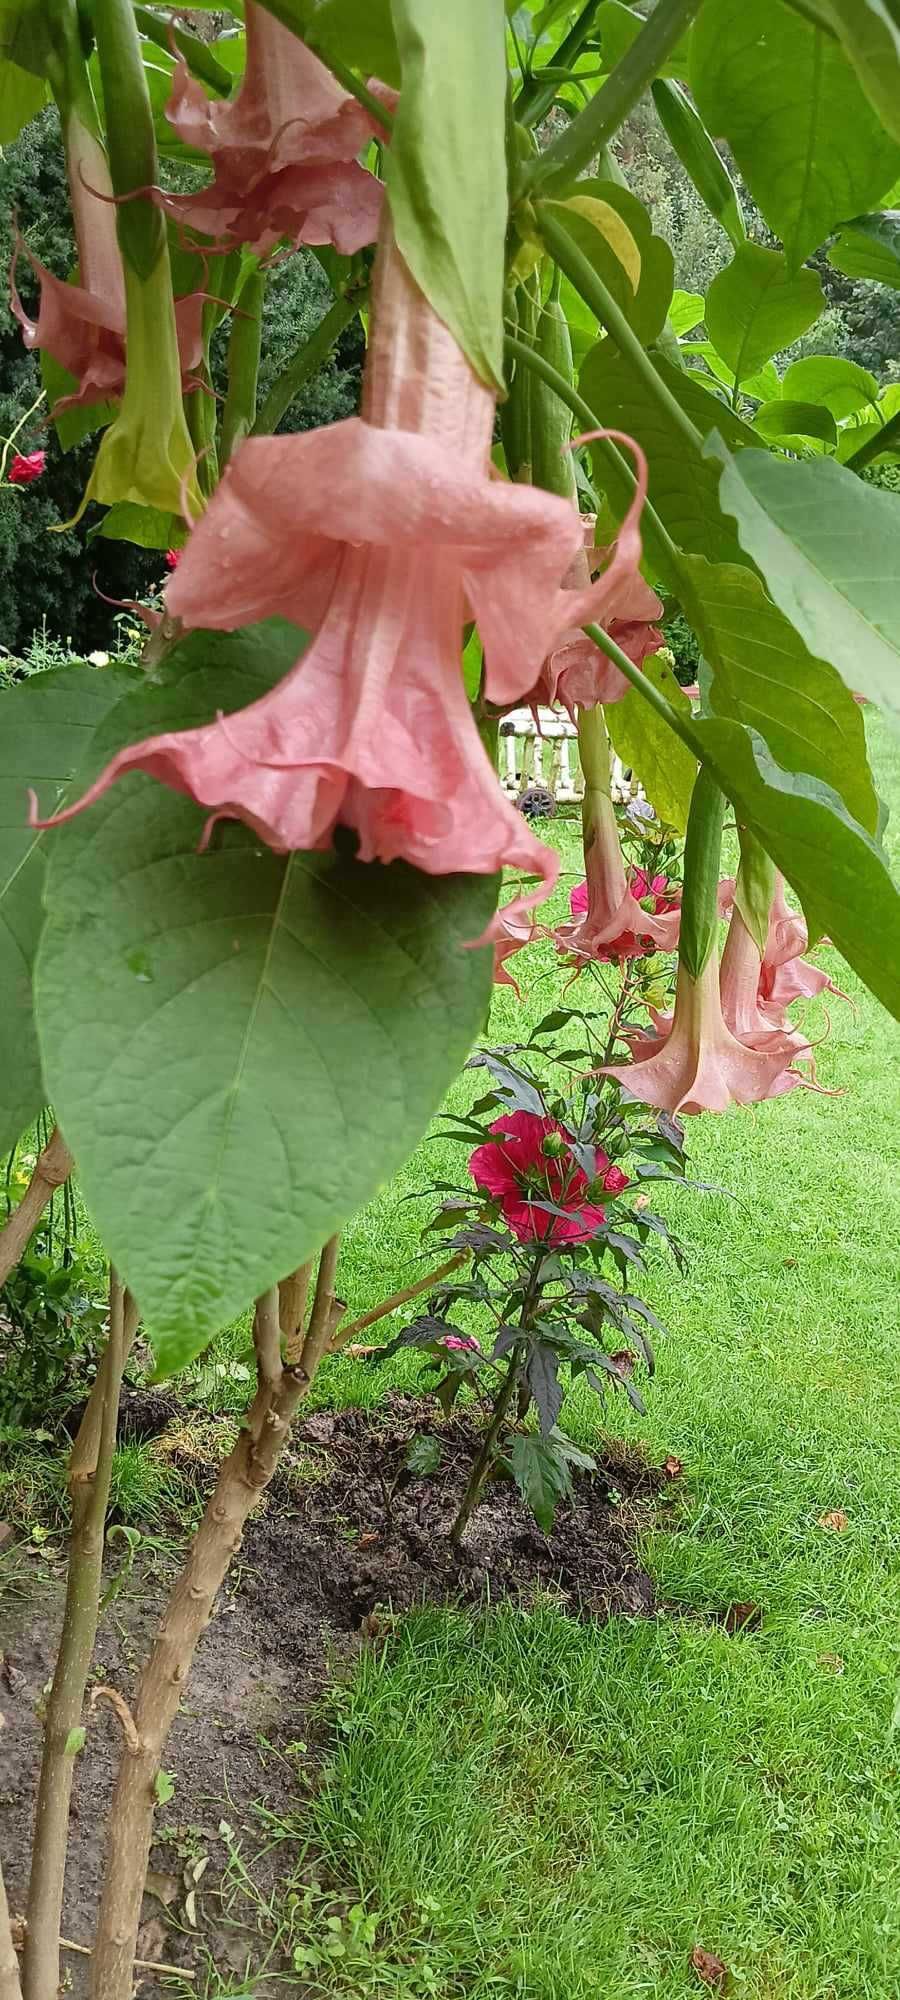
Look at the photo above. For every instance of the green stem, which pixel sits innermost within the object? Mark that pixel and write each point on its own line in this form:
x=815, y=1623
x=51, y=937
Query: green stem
x=67, y=71
x=163, y=29
x=130, y=134
x=482, y=1463
x=702, y=856
x=644, y=686
x=245, y=340
x=874, y=446
x=664, y=552
x=590, y=285
x=601, y=119
x=308, y=358
x=535, y=97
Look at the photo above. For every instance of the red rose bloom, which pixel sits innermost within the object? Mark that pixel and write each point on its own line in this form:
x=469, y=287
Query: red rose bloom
x=520, y=1174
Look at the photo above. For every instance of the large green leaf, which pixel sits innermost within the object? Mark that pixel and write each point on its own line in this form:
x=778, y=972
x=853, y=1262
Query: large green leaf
x=240, y=1045
x=22, y=96
x=826, y=543
x=617, y=26
x=843, y=387
x=646, y=744
x=757, y=306
x=837, y=869
x=783, y=420
x=683, y=485
x=804, y=135
x=870, y=248
x=869, y=31
x=700, y=158
x=45, y=726
x=446, y=167
x=764, y=676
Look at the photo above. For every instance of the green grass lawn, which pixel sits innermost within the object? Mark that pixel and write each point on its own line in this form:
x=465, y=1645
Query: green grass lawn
x=540, y=1808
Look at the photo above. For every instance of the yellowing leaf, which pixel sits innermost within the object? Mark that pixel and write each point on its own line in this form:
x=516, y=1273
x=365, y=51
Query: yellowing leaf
x=614, y=231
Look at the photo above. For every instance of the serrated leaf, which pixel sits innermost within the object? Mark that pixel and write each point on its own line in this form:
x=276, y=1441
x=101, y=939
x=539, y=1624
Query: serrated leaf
x=270, y=1035
x=757, y=306
x=646, y=744
x=780, y=91
x=541, y=1473
x=869, y=247
x=46, y=724
x=826, y=544
x=683, y=486
x=446, y=168
x=542, y=1376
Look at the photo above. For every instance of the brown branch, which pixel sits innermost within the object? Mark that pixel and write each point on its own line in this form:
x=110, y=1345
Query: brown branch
x=242, y=1480
x=10, y=1987
x=54, y=1166
x=118, y=1702
x=396, y=1300
x=267, y=1337
x=293, y=1293
x=88, y=1480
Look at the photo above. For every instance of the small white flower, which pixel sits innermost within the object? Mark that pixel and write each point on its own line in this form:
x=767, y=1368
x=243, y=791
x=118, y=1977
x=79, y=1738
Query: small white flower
x=99, y=659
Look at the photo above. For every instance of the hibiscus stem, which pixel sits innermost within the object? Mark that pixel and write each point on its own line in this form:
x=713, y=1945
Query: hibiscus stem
x=664, y=552
x=307, y=359
x=483, y=1462
x=580, y=273
x=587, y=134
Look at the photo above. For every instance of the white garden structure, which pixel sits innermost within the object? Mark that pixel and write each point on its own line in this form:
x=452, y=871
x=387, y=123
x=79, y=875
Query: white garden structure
x=545, y=752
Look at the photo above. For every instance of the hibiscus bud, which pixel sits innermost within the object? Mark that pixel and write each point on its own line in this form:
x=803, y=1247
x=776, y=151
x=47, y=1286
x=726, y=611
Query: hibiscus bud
x=614, y=1180
x=554, y=1146
x=27, y=467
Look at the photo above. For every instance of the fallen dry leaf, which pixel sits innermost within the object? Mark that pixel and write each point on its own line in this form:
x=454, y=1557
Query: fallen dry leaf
x=368, y=1541
x=672, y=1466
x=832, y=1662
x=164, y=1887
x=358, y=1352
x=712, y=1970
x=836, y=1520
x=741, y=1617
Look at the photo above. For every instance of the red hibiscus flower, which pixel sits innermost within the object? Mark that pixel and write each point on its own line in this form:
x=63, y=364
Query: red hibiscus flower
x=520, y=1174
x=25, y=469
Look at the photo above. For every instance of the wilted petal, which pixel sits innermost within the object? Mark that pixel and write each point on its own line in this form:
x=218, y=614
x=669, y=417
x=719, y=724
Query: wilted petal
x=739, y=989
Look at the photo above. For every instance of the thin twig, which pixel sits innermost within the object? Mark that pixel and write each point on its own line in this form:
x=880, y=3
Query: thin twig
x=54, y=1166
x=397, y=1299
x=118, y=1702
x=146, y=1964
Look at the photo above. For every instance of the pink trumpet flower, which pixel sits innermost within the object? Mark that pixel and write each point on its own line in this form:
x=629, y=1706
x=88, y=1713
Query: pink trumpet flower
x=607, y=918
x=380, y=534
x=576, y=673
x=696, y=1063
x=284, y=149
x=785, y=974
x=83, y=325
x=759, y=1026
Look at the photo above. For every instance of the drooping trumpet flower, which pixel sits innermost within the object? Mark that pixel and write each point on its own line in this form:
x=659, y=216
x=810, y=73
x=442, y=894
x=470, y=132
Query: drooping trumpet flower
x=379, y=534
x=695, y=1061
x=608, y=920
x=284, y=149
x=576, y=673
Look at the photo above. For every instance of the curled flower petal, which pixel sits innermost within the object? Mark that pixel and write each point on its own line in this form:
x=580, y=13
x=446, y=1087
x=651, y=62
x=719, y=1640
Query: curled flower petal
x=283, y=149
x=577, y=673
x=697, y=1064
x=739, y=989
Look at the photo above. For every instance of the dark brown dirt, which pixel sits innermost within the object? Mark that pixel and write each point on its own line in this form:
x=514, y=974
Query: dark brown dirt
x=347, y=1538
